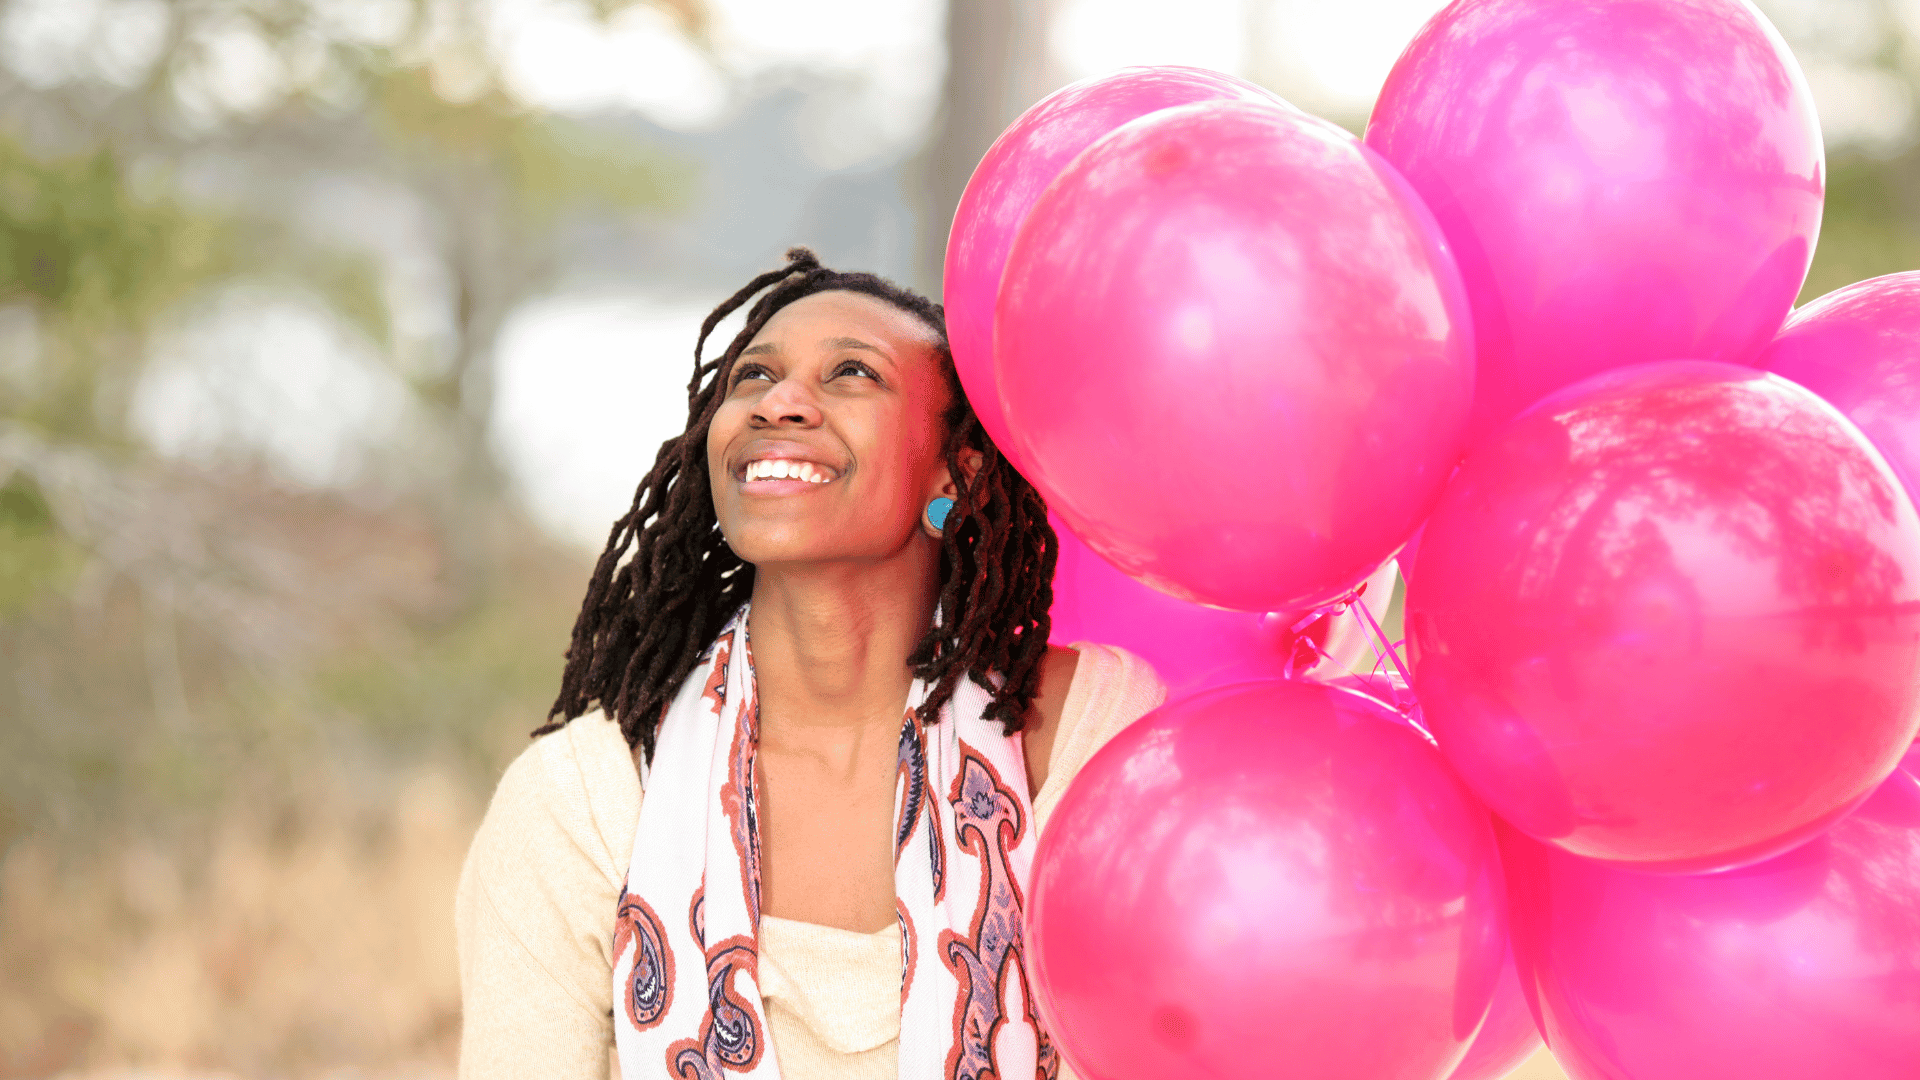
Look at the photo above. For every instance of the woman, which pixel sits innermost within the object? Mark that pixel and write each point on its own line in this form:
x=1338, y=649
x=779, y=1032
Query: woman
x=824, y=661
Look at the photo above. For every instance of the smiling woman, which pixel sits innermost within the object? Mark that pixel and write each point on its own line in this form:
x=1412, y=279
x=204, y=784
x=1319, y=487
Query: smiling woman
x=836, y=695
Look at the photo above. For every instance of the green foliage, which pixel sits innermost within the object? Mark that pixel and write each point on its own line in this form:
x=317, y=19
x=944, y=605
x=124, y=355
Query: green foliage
x=1872, y=222
x=100, y=263
x=132, y=705
x=97, y=263
x=546, y=165
x=34, y=555
x=457, y=688
x=348, y=282
x=87, y=750
x=78, y=243
x=557, y=166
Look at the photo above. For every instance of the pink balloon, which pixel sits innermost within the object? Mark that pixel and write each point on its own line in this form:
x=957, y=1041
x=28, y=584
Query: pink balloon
x=1670, y=617
x=1410, y=553
x=1189, y=645
x=1234, y=355
x=1507, y=1038
x=1859, y=348
x=1804, y=966
x=1622, y=182
x=1192, y=646
x=1267, y=877
x=1021, y=162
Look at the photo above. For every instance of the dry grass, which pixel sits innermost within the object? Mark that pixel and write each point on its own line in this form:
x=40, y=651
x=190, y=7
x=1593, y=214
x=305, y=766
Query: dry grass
x=322, y=953
x=231, y=822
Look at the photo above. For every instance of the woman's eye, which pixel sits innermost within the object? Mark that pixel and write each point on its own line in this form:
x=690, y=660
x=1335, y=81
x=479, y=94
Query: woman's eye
x=750, y=371
x=854, y=367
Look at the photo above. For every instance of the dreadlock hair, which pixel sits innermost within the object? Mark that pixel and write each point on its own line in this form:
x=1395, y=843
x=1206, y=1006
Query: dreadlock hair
x=648, y=620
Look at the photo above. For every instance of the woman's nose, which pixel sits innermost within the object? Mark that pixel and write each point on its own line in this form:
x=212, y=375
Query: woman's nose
x=788, y=401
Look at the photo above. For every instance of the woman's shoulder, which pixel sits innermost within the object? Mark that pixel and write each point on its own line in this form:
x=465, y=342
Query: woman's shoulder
x=1110, y=681
x=533, y=909
x=1111, y=688
x=572, y=793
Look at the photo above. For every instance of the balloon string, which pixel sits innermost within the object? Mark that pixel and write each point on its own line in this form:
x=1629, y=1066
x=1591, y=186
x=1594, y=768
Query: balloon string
x=1296, y=633
x=1377, y=641
x=1399, y=694
x=1294, y=667
x=1402, y=700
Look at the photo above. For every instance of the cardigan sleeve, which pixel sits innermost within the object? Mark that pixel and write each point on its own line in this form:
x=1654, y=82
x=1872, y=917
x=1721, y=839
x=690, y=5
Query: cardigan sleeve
x=534, y=910
x=1111, y=689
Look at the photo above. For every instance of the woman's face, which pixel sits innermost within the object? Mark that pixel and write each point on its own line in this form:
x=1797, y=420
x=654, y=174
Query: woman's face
x=827, y=443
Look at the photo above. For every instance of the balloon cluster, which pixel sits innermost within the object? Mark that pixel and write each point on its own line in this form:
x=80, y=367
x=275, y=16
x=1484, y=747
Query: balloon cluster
x=1644, y=793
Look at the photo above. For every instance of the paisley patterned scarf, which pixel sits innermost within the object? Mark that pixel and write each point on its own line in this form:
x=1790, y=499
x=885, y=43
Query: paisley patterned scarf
x=686, y=955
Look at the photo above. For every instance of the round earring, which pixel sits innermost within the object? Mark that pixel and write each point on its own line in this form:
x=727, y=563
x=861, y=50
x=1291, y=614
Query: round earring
x=937, y=511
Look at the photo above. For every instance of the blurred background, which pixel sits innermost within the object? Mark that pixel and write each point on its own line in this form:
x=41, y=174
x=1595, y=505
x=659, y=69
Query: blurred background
x=334, y=334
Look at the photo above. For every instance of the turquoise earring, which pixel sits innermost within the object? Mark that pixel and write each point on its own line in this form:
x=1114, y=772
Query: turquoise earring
x=937, y=511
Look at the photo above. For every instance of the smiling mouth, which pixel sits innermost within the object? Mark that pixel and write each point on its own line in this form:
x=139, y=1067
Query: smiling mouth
x=787, y=469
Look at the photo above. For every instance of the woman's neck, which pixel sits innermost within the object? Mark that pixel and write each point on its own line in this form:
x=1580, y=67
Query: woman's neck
x=830, y=646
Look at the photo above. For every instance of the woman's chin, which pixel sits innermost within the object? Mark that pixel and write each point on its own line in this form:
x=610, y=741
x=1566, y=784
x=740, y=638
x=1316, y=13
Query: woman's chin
x=790, y=546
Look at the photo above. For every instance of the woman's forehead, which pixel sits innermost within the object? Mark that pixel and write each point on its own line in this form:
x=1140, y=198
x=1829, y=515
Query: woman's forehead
x=835, y=313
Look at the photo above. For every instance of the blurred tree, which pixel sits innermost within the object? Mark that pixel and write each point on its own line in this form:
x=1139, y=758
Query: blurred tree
x=155, y=154
x=1862, y=58
x=92, y=267
x=268, y=96
x=1872, y=222
x=997, y=66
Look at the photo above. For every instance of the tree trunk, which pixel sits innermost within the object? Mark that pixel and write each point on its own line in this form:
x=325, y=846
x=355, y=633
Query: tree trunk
x=997, y=66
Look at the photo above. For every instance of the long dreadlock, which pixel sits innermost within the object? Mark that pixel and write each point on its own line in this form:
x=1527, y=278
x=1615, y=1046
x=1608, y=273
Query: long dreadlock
x=648, y=619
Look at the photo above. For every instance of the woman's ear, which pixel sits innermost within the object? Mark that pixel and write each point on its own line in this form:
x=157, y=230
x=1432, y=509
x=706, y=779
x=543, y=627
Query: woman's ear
x=970, y=462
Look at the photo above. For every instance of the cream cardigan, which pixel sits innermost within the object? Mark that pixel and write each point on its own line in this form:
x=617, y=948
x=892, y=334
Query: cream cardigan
x=534, y=910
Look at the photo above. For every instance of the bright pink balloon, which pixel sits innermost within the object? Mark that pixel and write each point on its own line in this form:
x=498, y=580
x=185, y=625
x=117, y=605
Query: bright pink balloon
x=1670, y=617
x=1188, y=644
x=1192, y=646
x=1806, y=966
x=1269, y=878
x=1859, y=348
x=1507, y=1038
x=1622, y=182
x=1410, y=554
x=1234, y=355
x=1021, y=162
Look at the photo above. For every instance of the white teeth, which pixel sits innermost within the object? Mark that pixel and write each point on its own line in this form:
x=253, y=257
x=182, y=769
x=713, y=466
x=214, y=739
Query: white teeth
x=782, y=469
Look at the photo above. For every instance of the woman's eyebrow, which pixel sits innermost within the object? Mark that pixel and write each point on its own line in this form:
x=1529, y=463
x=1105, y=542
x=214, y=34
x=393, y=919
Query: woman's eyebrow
x=852, y=343
x=761, y=349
